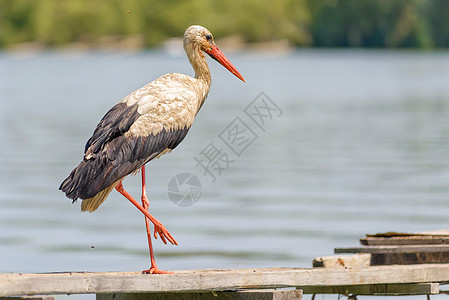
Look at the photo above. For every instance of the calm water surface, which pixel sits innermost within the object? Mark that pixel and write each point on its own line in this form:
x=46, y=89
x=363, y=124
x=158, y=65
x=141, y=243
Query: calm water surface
x=360, y=148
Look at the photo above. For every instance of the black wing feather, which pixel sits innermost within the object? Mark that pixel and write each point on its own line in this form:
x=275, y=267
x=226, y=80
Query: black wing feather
x=117, y=121
x=111, y=156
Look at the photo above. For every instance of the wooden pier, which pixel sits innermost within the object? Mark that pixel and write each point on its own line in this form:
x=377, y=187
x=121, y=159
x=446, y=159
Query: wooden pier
x=340, y=274
x=413, y=279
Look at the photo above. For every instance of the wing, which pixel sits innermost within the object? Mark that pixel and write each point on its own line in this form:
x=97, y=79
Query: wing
x=115, y=123
x=112, y=153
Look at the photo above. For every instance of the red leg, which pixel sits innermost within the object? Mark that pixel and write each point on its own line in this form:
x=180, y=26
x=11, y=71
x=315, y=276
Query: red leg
x=146, y=203
x=158, y=227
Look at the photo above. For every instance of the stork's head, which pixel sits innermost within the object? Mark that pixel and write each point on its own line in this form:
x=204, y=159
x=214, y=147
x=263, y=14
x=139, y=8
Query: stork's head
x=201, y=38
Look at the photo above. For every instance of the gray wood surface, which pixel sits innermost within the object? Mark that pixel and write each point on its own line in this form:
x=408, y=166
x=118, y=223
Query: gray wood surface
x=377, y=289
x=219, y=280
x=268, y=294
x=405, y=240
x=29, y=298
x=359, y=260
x=394, y=249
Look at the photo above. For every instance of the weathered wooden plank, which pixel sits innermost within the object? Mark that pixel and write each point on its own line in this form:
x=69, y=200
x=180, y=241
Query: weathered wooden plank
x=343, y=261
x=415, y=240
x=409, y=258
x=29, y=298
x=221, y=280
x=402, y=255
x=405, y=240
x=395, y=249
x=268, y=294
x=443, y=232
x=377, y=289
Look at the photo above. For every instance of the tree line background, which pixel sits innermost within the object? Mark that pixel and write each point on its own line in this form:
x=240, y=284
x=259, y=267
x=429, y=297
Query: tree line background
x=305, y=23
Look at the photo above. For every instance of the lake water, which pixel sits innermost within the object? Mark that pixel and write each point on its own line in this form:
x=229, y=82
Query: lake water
x=360, y=147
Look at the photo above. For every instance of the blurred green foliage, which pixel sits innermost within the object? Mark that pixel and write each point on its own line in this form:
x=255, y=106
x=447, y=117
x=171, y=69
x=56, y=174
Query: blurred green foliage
x=319, y=23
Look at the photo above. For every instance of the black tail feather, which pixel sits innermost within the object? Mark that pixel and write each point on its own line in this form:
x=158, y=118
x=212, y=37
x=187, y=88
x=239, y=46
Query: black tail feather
x=81, y=181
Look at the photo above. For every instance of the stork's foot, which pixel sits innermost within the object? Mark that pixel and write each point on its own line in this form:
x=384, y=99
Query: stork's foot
x=160, y=230
x=155, y=270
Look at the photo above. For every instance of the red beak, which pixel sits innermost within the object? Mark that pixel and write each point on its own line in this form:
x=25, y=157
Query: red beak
x=216, y=54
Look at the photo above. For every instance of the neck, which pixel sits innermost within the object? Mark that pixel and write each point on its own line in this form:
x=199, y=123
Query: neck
x=199, y=64
x=202, y=73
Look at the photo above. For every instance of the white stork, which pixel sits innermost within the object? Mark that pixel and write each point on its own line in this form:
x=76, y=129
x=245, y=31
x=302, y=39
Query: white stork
x=149, y=122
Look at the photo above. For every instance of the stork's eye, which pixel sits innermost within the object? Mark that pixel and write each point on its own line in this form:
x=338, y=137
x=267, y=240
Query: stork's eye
x=208, y=37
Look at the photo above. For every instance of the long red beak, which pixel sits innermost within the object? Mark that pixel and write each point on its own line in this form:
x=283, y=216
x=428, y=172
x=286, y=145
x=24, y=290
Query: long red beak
x=216, y=54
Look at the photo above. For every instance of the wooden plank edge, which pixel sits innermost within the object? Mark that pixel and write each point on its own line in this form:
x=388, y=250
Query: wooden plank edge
x=394, y=249
x=401, y=241
x=45, y=297
x=358, y=260
x=376, y=289
x=215, y=280
x=275, y=294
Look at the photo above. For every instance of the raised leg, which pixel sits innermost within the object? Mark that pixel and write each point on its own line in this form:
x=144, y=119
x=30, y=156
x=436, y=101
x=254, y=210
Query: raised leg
x=146, y=203
x=158, y=227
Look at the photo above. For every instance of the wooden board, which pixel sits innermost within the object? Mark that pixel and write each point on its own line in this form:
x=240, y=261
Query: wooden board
x=409, y=258
x=402, y=255
x=399, y=241
x=219, y=280
x=377, y=289
x=395, y=249
x=267, y=294
x=359, y=260
x=29, y=298
x=443, y=232
x=440, y=237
